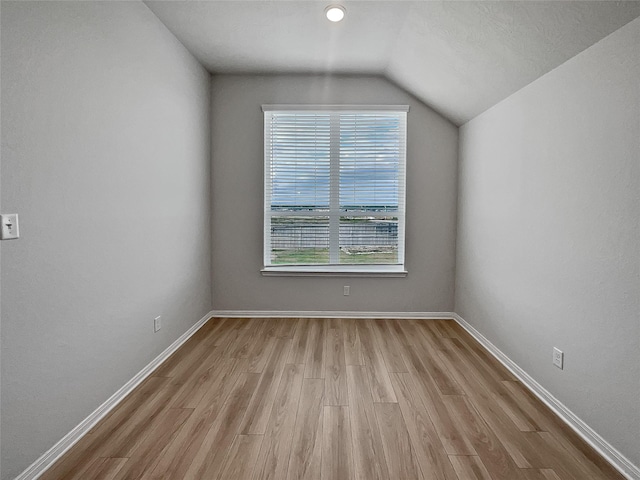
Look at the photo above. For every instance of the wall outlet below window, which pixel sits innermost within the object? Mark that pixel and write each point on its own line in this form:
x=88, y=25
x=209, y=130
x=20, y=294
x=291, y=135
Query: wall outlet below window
x=347, y=290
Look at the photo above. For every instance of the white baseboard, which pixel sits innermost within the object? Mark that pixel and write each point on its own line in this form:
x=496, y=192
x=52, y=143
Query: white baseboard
x=38, y=467
x=604, y=448
x=329, y=314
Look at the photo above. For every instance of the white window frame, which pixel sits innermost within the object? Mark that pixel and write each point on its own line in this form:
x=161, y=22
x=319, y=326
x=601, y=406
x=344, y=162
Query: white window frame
x=334, y=268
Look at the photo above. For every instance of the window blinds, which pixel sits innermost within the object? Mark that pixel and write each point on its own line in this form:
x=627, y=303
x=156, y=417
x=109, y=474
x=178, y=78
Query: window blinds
x=334, y=186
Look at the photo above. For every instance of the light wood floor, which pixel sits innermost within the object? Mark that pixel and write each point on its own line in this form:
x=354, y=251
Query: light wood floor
x=293, y=399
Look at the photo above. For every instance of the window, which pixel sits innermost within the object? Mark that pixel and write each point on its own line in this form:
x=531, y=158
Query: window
x=334, y=189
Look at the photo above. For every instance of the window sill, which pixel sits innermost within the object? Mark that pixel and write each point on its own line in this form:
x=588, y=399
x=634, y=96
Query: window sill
x=393, y=271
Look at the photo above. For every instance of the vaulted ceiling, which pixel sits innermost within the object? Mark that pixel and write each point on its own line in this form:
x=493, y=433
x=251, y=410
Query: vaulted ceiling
x=458, y=57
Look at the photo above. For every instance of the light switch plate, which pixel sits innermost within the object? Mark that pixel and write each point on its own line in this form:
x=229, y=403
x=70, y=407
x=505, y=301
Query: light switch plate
x=9, y=230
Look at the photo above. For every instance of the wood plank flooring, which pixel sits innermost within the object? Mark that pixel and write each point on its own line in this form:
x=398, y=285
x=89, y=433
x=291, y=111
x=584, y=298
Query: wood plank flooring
x=331, y=399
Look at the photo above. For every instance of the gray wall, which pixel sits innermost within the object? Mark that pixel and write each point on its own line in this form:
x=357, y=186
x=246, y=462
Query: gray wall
x=548, y=234
x=106, y=157
x=237, y=196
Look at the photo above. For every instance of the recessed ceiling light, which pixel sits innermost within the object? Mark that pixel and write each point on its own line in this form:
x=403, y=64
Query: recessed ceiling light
x=335, y=13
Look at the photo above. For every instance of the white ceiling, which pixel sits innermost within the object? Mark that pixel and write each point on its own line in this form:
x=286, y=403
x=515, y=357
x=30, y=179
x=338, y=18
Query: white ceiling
x=458, y=57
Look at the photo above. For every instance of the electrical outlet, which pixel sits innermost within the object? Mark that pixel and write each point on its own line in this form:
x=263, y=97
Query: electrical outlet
x=558, y=358
x=157, y=324
x=347, y=290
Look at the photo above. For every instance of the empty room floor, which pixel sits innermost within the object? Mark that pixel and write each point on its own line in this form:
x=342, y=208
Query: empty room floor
x=331, y=399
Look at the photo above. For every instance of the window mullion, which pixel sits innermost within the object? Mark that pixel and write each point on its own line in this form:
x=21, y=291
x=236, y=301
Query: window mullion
x=334, y=205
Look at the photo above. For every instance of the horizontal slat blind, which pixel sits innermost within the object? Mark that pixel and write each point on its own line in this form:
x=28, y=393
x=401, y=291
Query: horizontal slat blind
x=371, y=166
x=334, y=187
x=299, y=160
